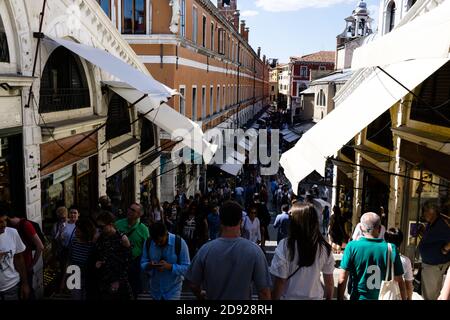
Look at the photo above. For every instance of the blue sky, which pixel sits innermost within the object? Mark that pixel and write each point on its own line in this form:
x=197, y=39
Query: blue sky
x=284, y=28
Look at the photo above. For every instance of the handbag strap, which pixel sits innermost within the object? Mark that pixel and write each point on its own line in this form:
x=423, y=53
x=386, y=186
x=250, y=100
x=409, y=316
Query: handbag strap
x=389, y=264
x=298, y=268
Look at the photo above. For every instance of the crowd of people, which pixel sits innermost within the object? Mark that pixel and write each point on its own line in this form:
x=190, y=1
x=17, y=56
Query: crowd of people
x=216, y=243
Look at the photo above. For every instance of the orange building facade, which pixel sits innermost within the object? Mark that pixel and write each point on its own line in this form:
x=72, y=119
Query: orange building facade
x=202, y=51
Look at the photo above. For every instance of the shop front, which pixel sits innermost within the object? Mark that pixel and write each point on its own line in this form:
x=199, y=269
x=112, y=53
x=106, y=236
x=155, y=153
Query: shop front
x=72, y=180
x=376, y=190
x=429, y=181
x=73, y=185
x=344, y=190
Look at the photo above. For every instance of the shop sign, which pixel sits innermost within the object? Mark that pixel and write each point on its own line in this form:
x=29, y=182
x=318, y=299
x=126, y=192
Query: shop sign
x=415, y=232
x=62, y=175
x=430, y=187
x=82, y=166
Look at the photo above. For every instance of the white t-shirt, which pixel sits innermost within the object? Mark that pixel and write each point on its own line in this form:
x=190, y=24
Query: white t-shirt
x=10, y=245
x=358, y=232
x=305, y=284
x=156, y=215
x=239, y=191
x=407, y=268
x=253, y=229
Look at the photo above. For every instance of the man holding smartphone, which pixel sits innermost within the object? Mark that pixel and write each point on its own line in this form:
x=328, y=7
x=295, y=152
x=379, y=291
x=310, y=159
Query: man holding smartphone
x=166, y=259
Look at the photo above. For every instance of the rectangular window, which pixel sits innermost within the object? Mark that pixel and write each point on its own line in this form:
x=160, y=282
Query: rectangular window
x=133, y=17
x=183, y=18
x=203, y=102
x=224, y=102
x=218, y=99
x=212, y=36
x=182, y=101
x=204, y=32
x=303, y=71
x=232, y=52
x=194, y=104
x=194, y=25
x=221, y=48
x=211, y=101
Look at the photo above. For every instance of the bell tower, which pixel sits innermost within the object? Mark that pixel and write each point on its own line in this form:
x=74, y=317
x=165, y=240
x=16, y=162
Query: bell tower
x=228, y=8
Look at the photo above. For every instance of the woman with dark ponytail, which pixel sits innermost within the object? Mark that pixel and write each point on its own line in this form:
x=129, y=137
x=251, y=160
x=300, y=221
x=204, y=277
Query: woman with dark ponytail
x=300, y=259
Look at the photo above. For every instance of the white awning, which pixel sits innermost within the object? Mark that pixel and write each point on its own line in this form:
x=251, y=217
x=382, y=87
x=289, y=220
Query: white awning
x=233, y=164
x=166, y=118
x=425, y=37
x=375, y=95
x=232, y=169
x=116, y=67
x=308, y=91
x=291, y=137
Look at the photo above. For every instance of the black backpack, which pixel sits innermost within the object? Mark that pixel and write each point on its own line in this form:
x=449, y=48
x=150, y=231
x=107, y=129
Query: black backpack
x=177, y=247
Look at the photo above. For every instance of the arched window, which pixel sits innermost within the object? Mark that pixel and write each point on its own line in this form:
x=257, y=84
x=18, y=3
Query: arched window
x=391, y=16
x=63, y=83
x=134, y=16
x=118, y=122
x=321, y=101
x=4, y=50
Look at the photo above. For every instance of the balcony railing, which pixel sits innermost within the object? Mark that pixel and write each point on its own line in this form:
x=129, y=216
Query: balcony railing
x=63, y=99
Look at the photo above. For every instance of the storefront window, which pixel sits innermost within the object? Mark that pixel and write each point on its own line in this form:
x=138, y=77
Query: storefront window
x=120, y=189
x=432, y=187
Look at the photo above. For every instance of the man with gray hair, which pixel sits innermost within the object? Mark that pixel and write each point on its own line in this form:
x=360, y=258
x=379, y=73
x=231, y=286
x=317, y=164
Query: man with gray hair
x=366, y=261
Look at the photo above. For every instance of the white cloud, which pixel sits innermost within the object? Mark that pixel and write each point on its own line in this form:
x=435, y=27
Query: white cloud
x=249, y=13
x=294, y=5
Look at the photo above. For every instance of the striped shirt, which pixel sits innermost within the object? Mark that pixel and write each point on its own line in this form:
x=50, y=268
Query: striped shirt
x=80, y=252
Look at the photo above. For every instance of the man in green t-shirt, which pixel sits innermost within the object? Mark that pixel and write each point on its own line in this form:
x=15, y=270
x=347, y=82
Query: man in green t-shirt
x=137, y=233
x=366, y=261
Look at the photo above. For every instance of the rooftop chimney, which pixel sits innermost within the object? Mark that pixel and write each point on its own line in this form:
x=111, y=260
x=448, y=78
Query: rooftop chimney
x=236, y=17
x=259, y=52
x=247, y=31
x=264, y=59
x=243, y=28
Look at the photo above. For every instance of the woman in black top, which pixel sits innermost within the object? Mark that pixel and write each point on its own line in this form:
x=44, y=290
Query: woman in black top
x=112, y=256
